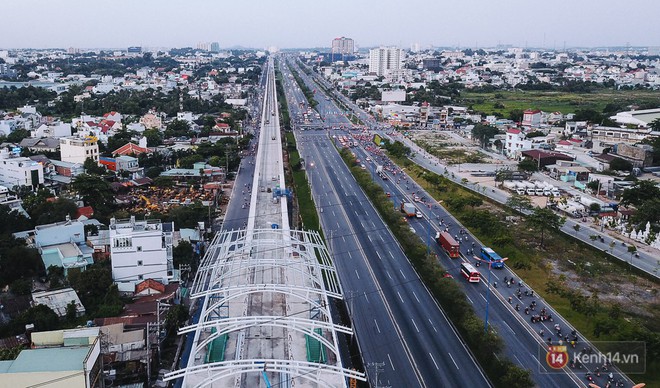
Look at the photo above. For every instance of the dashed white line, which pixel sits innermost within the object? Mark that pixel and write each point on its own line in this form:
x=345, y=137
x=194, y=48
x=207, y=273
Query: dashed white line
x=343, y=238
x=400, y=296
x=391, y=254
x=357, y=274
x=452, y=360
x=380, y=258
x=390, y=358
x=404, y=276
x=507, y=325
x=350, y=255
x=468, y=298
x=365, y=297
x=432, y=325
x=482, y=297
x=416, y=298
x=434, y=363
x=377, y=328
x=414, y=324
x=369, y=237
x=388, y=275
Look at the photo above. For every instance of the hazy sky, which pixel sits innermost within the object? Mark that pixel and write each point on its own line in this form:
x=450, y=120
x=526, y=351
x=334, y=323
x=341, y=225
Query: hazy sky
x=314, y=23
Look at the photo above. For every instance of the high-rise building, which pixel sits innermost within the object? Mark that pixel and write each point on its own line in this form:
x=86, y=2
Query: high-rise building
x=343, y=47
x=206, y=46
x=384, y=60
x=215, y=47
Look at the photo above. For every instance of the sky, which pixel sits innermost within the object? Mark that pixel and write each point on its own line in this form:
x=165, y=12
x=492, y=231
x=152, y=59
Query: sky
x=314, y=23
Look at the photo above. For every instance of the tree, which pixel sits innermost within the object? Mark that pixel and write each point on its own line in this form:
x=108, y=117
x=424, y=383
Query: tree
x=576, y=228
x=154, y=137
x=176, y=316
x=529, y=165
x=183, y=253
x=655, y=124
x=519, y=202
x=93, y=168
x=95, y=192
x=618, y=164
x=543, y=219
x=632, y=250
x=641, y=192
x=483, y=133
x=594, y=208
x=397, y=149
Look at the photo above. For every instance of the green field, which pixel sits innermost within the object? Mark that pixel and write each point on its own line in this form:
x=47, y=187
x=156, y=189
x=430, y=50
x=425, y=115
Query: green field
x=555, y=101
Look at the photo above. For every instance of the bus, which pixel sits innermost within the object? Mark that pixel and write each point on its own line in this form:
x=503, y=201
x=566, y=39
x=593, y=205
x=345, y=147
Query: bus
x=470, y=273
x=489, y=256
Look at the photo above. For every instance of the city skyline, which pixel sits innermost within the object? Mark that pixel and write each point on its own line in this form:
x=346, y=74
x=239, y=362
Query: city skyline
x=294, y=24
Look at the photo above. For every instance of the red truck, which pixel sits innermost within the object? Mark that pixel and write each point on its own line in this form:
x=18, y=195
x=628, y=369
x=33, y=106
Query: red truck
x=448, y=243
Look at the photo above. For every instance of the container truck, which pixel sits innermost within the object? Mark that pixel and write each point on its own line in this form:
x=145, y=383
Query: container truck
x=409, y=209
x=448, y=243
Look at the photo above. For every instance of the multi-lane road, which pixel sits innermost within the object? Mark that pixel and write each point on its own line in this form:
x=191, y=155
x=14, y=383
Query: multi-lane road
x=522, y=339
x=396, y=320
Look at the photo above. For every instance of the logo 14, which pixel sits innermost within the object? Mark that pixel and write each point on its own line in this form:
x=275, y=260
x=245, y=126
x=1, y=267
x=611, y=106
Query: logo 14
x=557, y=357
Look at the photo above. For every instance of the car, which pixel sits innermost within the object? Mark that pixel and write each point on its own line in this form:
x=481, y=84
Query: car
x=418, y=214
x=362, y=166
x=388, y=194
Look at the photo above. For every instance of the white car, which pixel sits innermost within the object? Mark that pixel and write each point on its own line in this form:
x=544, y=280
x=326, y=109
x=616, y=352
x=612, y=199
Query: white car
x=418, y=214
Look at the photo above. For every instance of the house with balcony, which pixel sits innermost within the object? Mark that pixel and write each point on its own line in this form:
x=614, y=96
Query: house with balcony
x=139, y=250
x=17, y=170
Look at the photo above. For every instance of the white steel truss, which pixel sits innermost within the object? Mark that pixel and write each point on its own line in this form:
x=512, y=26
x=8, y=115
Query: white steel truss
x=242, y=277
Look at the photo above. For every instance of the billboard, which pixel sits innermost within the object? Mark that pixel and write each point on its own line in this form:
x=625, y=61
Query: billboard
x=394, y=95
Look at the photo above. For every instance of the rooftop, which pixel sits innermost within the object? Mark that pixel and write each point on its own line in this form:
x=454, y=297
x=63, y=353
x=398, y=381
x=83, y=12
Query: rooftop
x=47, y=360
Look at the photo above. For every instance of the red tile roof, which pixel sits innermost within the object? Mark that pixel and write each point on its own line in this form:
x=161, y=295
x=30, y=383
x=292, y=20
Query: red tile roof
x=513, y=130
x=150, y=283
x=131, y=148
x=86, y=211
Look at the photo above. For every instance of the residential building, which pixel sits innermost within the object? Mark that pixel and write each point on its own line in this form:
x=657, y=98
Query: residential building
x=140, y=250
x=76, y=364
x=76, y=150
x=62, y=244
x=615, y=135
x=342, y=48
x=123, y=163
x=150, y=120
x=59, y=300
x=640, y=155
x=132, y=149
x=45, y=144
x=56, y=130
x=531, y=118
x=385, y=60
x=19, y=171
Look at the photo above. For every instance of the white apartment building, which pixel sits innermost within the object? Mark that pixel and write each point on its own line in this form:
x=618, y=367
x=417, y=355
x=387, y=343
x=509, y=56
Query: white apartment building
x=140, y=250
x=19, y=171
x=384, y=60
x=77, y=150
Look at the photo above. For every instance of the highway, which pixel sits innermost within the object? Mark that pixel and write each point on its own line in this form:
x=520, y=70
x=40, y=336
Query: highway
x=395, y=318
x=523, y=341
x=397, y=322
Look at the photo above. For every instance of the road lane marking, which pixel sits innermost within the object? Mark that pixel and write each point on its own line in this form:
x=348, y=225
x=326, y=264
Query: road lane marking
x=482, y=297
x=390, y=358
x=414, y=324
x=380, y=258
x=369, y=237
x=452, y=360
x=357, y=274
x=432, y=325
x=434, y=363
x=377, y=328
x=400, y=296
x=391, y=254
x=404, y=276
x=343, y=238
x=365, y=297
x=507, y=325
x=416, y=298
x=468, y=298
